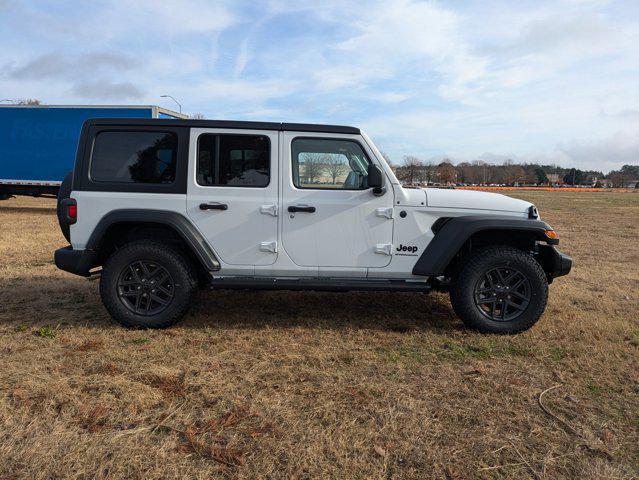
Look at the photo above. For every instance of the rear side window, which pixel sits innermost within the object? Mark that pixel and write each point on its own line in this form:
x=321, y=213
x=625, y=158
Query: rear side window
x=134, y=157
x=233, y=160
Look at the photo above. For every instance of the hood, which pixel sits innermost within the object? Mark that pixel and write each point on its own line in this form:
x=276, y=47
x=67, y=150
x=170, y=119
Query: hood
x=475, y=200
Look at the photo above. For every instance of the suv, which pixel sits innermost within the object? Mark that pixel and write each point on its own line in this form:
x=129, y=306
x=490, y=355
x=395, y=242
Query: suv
x=161, y=208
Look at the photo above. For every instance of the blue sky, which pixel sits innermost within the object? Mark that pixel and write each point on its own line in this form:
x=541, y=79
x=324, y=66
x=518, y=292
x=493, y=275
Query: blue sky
x=556, y=81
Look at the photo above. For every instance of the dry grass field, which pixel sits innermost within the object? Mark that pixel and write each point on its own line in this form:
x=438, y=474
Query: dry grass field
x=323, y=385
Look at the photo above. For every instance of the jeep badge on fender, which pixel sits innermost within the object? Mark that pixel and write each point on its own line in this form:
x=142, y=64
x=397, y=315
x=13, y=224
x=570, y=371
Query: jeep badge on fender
x=411, y=249
x=159, y=208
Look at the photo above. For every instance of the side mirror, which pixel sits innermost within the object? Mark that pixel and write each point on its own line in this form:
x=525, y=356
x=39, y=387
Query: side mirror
x=376, y=179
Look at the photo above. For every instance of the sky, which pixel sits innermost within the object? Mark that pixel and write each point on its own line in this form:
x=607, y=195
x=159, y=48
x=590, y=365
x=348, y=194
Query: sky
x=540, y=81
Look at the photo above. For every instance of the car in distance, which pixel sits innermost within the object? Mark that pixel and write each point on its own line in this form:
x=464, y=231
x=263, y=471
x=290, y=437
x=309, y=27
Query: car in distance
x=161, y=208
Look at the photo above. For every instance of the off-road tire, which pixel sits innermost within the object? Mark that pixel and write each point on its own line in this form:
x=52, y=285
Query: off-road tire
x=463, y=292
x=178, y=265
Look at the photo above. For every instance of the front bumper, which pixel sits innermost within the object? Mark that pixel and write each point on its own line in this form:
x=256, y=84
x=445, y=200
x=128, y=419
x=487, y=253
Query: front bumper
x=555, y=263
x=78, y=262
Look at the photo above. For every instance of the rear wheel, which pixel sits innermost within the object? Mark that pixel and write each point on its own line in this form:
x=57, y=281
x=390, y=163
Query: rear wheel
x=148, y=284
x=500, y=290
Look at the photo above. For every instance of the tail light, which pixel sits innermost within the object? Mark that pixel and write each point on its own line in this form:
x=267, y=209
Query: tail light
x=70, y=210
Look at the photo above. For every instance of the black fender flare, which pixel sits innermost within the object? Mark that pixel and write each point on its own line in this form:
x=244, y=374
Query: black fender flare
x=452, y=233
x=66, y=187
x=178, y=222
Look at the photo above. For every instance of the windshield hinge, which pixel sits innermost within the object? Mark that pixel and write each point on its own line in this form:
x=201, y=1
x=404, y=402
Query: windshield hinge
x=269, y=247
x=384, y=212
x=384, y=248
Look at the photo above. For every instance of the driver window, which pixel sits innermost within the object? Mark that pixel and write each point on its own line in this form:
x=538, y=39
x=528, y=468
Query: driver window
x=321, y=163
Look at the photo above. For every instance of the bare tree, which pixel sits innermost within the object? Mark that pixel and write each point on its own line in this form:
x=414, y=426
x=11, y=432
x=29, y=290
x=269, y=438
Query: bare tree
x=411, y=170
x=313, y=166
x=465, y=172
x=430, y=173
x=335, y=166
x=446, y=172
x=496, y=174
x=514, y=174
x=480, y=172
x=618, y=179
x=197, y=116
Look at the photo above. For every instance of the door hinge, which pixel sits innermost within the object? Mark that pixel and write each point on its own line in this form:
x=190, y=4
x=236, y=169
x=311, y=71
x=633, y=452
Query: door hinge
x=270, y=247
x=269, y=210
x=384, y=212
x=384, y=248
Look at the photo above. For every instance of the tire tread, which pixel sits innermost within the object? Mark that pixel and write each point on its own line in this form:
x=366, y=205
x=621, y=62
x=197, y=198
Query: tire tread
x=477, y=265
x=175, y=312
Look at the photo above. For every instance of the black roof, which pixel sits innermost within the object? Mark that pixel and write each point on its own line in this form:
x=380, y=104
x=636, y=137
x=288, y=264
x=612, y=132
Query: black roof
x=296, y=127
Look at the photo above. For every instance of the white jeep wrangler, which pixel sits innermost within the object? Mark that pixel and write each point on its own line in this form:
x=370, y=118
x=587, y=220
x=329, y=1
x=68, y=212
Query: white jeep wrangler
x=167, y=206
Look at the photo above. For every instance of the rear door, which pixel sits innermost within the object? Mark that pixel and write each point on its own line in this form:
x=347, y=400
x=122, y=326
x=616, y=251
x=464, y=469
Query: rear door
x=232, y=193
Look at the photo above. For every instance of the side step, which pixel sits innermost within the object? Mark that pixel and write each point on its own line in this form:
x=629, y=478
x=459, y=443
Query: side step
x=318, y=284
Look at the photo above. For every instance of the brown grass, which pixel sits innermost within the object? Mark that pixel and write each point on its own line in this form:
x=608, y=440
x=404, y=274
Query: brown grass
x=310, y=385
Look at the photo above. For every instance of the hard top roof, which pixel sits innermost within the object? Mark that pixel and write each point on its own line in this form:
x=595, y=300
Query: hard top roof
x=244, y=125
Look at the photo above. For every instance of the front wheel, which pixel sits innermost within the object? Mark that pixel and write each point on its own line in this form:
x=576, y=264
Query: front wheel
x=500, y=290
x=148, y=284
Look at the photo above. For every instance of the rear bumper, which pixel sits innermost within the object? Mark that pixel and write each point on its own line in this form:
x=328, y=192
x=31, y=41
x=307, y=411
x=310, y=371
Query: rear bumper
x=555, y=263
x=78, y=262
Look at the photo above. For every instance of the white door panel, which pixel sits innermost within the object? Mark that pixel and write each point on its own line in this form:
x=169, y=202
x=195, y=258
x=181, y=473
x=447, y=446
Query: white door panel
x=346, y=227
x=342, y=232
x=239, y=233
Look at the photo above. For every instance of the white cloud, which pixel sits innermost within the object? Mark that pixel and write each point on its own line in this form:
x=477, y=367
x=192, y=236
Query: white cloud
x=107, y=89
x=416, y=39
x=61, y=65
x=394, y=97
x=607, y=154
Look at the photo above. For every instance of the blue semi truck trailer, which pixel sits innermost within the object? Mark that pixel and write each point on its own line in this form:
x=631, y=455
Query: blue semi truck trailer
x=38, y=143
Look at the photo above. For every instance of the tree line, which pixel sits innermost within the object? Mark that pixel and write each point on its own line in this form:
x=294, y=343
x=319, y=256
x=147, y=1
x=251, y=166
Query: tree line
x=316, y=166
x=414, y=171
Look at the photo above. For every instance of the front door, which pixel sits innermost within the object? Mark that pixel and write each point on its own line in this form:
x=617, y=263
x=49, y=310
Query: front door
x=233, y=193
x=330, y=218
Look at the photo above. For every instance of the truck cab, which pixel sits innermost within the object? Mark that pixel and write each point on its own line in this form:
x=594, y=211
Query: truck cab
x=160, y=207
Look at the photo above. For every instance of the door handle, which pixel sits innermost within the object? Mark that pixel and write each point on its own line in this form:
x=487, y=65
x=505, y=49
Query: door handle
x=214, y=206
x=301, y=208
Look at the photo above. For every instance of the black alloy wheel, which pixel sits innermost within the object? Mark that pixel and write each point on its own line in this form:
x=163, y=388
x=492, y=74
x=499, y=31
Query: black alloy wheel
x=502, y=294
x=145, y=287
